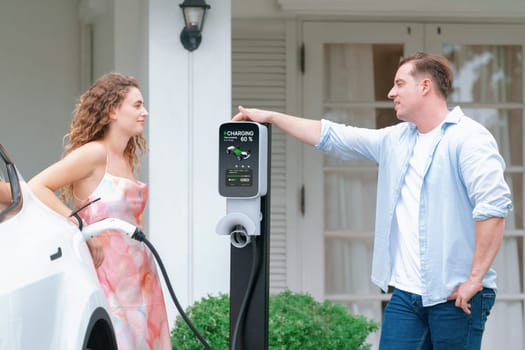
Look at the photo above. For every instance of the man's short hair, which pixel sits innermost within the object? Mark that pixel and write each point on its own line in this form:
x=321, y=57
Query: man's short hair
x=436, y=66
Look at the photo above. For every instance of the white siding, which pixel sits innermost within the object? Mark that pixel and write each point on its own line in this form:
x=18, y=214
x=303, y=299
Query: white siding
x=259, y=81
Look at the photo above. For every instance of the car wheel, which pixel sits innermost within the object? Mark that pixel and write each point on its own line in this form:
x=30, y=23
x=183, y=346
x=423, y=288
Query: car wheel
x=100, y=334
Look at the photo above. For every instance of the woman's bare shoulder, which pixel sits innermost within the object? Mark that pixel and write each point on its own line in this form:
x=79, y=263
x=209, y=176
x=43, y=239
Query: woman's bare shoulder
x=93, y=152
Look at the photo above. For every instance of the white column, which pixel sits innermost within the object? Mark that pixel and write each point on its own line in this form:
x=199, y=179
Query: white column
x=189, y=95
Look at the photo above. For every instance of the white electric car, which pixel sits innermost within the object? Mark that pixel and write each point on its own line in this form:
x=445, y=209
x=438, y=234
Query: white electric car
x=50, y=298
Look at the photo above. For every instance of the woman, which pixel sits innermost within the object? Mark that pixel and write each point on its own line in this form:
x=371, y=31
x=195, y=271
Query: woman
x=99, y=162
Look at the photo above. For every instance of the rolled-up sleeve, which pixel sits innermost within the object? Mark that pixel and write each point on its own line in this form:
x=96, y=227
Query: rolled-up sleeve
x=349, y=142
x=483, y=172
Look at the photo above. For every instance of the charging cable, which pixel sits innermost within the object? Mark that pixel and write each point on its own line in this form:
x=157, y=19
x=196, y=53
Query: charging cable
x=247, y=296
x=136, y=233
x=74, y=213
x=140, y=236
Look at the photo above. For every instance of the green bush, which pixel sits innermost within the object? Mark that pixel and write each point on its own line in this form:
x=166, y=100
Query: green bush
x=296, y=321
x=211, y=317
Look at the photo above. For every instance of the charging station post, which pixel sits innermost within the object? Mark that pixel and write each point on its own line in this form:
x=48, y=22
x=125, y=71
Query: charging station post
x=244, y=175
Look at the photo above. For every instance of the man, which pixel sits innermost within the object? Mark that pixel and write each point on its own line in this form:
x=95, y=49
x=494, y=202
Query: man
x=441, y=203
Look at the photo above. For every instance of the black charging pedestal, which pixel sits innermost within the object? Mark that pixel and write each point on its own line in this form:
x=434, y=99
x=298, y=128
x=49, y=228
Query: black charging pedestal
x=253, y=334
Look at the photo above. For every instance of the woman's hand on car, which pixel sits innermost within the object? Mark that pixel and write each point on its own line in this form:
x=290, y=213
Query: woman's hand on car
x=95, y=248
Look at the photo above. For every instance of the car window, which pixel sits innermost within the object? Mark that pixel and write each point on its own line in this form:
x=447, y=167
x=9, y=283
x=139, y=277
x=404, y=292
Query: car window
x=10, y=195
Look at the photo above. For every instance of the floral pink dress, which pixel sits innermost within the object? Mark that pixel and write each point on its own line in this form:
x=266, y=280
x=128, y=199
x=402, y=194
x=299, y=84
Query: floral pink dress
x=128, y=273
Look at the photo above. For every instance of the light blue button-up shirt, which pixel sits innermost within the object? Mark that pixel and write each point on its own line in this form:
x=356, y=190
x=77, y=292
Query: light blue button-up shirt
x=463, y=183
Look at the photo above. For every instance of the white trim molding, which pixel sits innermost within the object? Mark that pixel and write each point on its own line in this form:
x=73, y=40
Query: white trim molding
x=509, y=9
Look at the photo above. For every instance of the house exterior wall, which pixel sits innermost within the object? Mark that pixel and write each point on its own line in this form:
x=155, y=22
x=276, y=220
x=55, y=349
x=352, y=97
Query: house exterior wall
x=39, y=79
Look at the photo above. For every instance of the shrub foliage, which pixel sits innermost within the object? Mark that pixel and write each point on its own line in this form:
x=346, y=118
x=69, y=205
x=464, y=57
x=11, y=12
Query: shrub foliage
x=296, y=322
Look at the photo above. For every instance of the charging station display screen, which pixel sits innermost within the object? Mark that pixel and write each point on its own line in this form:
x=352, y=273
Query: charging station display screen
x=239, y=177
x=238, y=159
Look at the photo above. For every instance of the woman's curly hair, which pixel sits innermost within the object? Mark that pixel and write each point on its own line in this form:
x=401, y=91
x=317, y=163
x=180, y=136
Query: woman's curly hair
x=91, y=118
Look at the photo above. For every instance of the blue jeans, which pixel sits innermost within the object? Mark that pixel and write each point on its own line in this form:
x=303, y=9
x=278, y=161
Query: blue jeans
x=408, y=325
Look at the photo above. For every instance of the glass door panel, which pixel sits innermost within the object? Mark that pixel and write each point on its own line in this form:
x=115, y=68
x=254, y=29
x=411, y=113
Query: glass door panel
x=357, y=78
x=486, y=73
x=359, y=72
x=344, y=214
x=351, y=277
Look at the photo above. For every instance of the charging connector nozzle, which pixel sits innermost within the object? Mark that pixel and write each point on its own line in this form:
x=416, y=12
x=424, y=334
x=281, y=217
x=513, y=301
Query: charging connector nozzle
x=239, y=237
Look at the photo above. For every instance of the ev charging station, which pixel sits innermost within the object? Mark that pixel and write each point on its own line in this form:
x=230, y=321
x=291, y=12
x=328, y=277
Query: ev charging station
x=244, y=176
